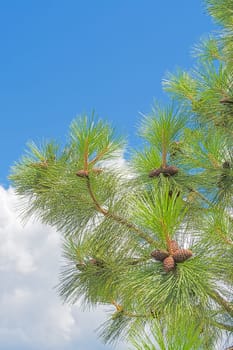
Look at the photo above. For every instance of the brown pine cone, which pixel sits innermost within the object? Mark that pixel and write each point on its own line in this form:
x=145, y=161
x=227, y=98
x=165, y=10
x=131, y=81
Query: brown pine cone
x=182, y=254
x=168, y=264
x=82, y=173
x=169, y=170
x=173, y=246
x=159, y=255
x=155, y=172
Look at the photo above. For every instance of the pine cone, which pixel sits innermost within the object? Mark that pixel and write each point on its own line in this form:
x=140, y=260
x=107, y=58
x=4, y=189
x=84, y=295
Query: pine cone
x=168, y=264
x=155, y=172
x=159, y=255
x=182, y=254
x=82, y=173
x=173, y=246
x=169, y=170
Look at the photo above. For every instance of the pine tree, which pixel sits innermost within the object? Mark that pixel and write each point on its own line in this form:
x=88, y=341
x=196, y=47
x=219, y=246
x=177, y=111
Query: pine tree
x=153, y=238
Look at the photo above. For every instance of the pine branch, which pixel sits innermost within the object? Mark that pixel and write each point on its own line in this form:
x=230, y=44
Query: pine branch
x=96, y=203
x=117, y=218
x=222, y=236
x=167, y=236
x=223, y=326
x=86, y=154
x=223, y=302
x=118, y=307
x=99, y=156
x=136, y=261
x=164, y=150
x=200, y=195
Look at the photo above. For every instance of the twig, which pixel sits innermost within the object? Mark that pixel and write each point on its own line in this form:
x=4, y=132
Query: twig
x=200, y=195
x=136, y=261
x=117, y=218
x=167, y=237
x=86, y=154
x=99, y=156
x=119, y=308
x=164, y=151
x=226, y=240
x=227, y=327
x=97, y=205
x=223, y=302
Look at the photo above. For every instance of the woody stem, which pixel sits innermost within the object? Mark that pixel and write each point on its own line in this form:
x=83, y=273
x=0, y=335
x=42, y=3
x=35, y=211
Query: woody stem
x=226, y=327
x=223, y=302
x=117, y=218
x=164, y=151
x=119, y=308
x=86, y=154
x=99, y=156
x=167, y=236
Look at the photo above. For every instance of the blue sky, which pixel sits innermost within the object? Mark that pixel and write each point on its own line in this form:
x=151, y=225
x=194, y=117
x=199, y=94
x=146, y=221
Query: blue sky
x=60, y=59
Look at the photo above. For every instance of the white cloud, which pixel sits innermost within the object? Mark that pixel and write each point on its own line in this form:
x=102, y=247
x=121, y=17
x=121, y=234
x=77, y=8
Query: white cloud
x=31, y=314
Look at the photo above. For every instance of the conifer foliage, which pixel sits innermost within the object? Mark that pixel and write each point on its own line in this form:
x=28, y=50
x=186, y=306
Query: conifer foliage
x=152, y=238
